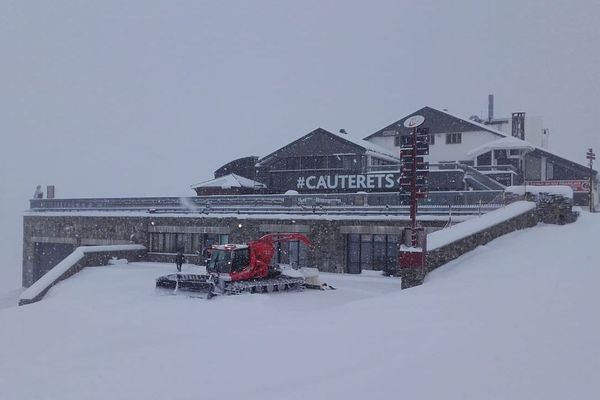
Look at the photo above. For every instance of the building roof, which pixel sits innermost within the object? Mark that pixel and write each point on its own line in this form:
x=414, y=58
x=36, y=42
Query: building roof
x=445, y=122
x=229, y=181
x=438, y=122
x=343, y=140
x=370, y=147
x=506, y=143
x=514, y=143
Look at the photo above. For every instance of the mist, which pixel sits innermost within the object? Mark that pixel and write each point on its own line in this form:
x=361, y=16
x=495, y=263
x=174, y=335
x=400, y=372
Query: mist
x=145, y=98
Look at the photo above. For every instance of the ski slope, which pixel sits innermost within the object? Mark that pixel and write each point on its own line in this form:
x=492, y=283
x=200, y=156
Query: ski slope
x=516, y=319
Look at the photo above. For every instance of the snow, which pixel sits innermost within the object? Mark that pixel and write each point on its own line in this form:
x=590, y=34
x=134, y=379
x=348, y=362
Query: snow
x=456, y=232
x=62, y=267
x=230, y=181
x=470, y=121
x=372, y=148
x=511, y=320
x=505, y=143
x=564, y=191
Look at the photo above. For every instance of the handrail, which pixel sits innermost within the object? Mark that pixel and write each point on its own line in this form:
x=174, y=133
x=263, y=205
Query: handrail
x=262, y=202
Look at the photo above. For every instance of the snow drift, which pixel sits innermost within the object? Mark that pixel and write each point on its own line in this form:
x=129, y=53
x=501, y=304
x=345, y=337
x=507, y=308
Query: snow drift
x=511, y=320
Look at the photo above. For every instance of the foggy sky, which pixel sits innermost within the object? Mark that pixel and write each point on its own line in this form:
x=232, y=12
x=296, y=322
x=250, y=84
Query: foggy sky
x=122, y=98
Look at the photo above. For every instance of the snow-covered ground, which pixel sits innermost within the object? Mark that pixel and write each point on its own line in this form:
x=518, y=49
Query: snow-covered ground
x=515, y=319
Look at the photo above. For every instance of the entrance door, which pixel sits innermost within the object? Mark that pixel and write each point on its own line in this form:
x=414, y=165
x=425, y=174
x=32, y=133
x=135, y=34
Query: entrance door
x=353, y=256
x=379, y=252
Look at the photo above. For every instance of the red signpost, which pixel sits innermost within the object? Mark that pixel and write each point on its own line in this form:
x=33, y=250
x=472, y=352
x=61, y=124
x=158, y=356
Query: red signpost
x=591, y=157
x=413, y=178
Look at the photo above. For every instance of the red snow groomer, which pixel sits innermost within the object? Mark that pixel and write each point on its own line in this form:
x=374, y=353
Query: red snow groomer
x=245, y=268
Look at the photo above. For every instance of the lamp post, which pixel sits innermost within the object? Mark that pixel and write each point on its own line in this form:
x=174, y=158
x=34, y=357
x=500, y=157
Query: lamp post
x=591, y=157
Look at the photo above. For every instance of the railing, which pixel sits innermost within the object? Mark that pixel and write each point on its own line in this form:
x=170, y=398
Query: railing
x=432, y=167
x=335, y=203
x=482, y=179
x=497, y=168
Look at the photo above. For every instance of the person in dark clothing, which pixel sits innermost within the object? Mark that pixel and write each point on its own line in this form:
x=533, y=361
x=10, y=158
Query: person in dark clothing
x=206, y=253
x=179, y=260
x=39, y=194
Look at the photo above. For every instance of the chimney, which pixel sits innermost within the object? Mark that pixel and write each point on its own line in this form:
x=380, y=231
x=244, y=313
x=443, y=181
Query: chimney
x=50, y=191
x=490, y=107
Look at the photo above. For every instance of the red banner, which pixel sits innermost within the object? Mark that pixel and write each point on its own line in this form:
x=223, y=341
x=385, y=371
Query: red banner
x=576, y=185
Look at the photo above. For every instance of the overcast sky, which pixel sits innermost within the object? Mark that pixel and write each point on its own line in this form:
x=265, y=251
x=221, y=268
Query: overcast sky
x=141, y=97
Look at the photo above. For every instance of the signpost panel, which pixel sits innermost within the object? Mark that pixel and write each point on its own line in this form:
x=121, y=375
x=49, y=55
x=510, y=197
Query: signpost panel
x=414, y=170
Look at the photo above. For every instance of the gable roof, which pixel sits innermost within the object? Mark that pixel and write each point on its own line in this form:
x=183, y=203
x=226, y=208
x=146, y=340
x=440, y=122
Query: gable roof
x=510, y=142
x=345, y=141
x=505, y=143
x=438, y=122
x=230, y=181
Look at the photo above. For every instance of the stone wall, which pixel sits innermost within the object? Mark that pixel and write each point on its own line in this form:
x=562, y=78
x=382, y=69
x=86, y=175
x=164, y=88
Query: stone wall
x=76, y=231
x=442, y=255
x=327, y=235
x=550, y=209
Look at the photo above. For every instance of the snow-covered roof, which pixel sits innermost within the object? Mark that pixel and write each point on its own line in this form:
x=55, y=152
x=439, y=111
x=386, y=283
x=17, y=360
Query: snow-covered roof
x=561, y=190
x=371, y=148
x=230, y=181
x=483, y=127
x=447, y=123
x=506, y=143
x=510, y=142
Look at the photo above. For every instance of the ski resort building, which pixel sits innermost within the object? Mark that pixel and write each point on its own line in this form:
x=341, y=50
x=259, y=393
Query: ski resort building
x=340, y=191
x=464, y=154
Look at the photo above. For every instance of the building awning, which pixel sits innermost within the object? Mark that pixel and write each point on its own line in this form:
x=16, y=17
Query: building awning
x=507, y=143
x=230, y=181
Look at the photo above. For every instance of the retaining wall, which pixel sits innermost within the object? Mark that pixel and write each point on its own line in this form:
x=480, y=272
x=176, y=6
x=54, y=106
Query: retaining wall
x=85, y=256
x=441, y=255
x=479, y=231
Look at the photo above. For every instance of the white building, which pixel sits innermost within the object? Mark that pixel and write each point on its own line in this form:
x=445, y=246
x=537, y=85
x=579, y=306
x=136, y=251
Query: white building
x=508, y=150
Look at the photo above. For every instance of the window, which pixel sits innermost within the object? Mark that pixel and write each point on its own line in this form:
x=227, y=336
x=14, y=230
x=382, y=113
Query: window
x=292, y=163
x=334, y=162
x=379, y=161
x=220, y=261
x=376, y=252
x=453, y=138
x=313, y=162
x=293, y=253
x=514, y=153
x=241, y=259
x=549, y=170
x=406, y=139
x=353, y=163
x=402, y=140
x=189, y=243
